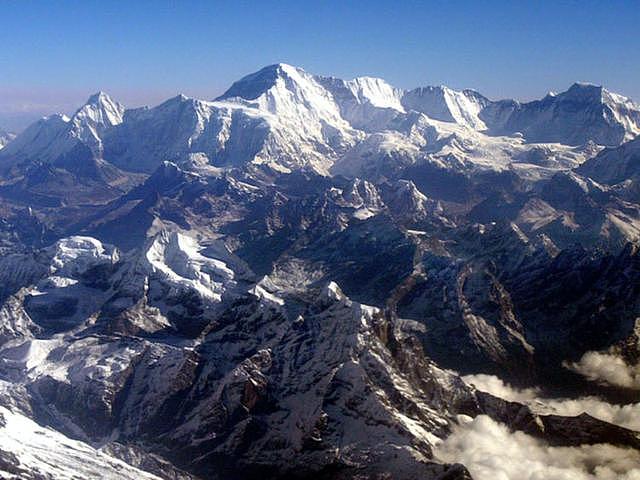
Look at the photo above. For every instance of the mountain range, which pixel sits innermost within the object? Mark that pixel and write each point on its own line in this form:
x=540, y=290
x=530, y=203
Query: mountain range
x=310, y=277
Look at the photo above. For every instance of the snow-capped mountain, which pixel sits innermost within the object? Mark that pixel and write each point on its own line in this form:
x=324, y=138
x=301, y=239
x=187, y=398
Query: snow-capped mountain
x=583, y=113
x=287, y=119
x=51, y=138
x=306, y=276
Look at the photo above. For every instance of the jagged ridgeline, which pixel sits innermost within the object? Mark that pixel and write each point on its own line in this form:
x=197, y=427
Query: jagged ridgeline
x=315, y=278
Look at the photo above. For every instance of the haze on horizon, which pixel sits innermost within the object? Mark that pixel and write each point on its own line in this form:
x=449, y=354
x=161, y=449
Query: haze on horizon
x=56, y=54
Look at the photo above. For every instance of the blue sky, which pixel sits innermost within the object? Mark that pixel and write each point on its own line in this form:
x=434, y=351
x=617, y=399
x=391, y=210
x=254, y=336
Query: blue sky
x=54, y=54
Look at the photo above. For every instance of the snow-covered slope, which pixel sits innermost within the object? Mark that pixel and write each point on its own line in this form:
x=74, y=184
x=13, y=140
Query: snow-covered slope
x=367, y=103
x=29, y=451
x=73, y=256
x=176, y=258
x=47, y=133
x=442, y=103
x=5, y=138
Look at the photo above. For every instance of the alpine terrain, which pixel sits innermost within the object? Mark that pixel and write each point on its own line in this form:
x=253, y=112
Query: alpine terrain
x=316, y=278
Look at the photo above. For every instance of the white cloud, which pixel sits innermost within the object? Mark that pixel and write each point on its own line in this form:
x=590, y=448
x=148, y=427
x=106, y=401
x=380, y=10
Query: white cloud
x=627, y=416
x=492, y=452
x=607, y=368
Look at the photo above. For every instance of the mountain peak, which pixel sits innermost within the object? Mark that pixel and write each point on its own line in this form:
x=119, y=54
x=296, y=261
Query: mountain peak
x=98, y=97
x=177, y=100
x=278, y=69
x=585, y=90
x=584, y=86
x=100, y=108
x=285, y=68
x=255, y=84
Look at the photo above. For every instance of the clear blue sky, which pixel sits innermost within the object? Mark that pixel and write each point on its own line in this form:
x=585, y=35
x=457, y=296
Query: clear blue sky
x=53, y=54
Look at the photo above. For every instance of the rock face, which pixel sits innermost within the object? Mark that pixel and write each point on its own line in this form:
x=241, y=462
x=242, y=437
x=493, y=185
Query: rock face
x=289, y=280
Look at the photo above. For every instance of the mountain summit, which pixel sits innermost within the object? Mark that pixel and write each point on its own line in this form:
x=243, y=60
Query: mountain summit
x=255, y=84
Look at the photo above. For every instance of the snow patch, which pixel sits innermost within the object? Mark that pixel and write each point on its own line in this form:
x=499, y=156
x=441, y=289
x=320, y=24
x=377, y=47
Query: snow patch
x=177, y=258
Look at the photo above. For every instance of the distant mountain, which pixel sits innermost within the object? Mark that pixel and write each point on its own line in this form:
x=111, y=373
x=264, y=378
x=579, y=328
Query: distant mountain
x=285, y=119
x=51, y=138
x=583, y=113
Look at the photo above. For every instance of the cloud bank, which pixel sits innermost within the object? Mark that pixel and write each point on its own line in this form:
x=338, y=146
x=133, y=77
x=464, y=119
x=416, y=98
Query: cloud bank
x=608, y=369
x=492, y=452
x=627, y=416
